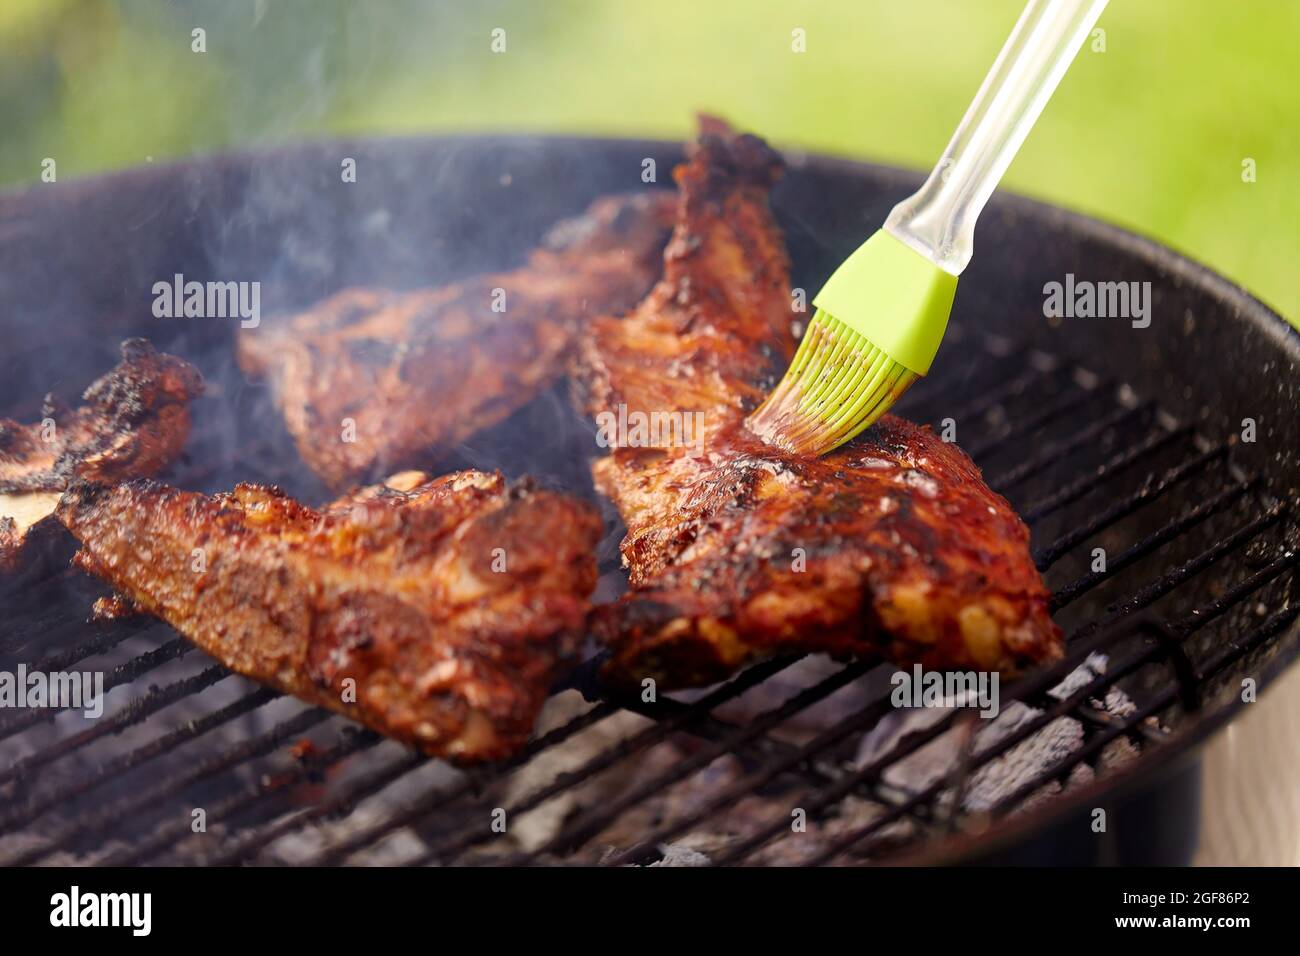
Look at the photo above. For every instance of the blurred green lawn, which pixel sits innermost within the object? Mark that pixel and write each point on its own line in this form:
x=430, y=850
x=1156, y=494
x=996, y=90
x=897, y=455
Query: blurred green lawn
x=1150, y=134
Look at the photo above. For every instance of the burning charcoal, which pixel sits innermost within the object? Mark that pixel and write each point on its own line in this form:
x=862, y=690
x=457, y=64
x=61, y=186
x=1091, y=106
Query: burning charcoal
x=533, y=829
x=674, y=854
x=1007, y=773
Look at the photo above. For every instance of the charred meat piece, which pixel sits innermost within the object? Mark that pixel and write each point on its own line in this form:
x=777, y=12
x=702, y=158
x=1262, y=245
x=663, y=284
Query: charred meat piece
x=891, y=546
x=417, y=372
x=134, y=422
x=436, y=612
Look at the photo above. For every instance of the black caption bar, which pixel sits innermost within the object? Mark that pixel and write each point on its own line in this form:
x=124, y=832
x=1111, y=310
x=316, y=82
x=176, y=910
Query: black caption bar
x=226, y=907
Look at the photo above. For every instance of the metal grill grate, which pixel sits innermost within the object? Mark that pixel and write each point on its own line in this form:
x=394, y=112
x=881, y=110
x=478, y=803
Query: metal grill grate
x=1198, y=590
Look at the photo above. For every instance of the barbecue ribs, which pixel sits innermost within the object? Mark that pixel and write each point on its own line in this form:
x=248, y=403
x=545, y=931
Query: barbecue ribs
x=435, y=612
x=418, y=372
x=890, y=546
x=134, y=422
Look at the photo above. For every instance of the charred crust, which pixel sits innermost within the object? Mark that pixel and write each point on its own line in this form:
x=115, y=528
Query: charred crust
x=81, y=494
x=134, y=422
x=385, y=588
x=720, y=160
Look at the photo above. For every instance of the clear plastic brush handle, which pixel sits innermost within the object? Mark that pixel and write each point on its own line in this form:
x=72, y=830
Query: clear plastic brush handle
x=938, y=221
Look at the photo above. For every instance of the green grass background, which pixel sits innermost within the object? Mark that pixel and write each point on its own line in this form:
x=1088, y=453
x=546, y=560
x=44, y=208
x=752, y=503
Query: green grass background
x=1150, y=134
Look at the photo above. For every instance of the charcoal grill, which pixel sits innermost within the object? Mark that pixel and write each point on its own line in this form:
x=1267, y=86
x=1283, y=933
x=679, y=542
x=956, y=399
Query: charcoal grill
x=1100, y=434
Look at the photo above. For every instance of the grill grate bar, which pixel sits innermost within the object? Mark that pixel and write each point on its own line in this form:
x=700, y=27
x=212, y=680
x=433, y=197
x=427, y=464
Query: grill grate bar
x=1055, y=451
x=1051, y=709
x=1126, y=506
x=472, y=780
x=1008, y=375
x=234, y=756
x=1080, y=586
x=862, y=720
x=1087, y=750
x=1091, y=747
x=371, y=784
x=1239, y=592
x=404, y=816
x=1163, y=585
x=712, y=729
x=1086, y=483
x=353, y=741
x=868, y=716
x=911, y=743
x=99, y=644
x=42, y=802
x=137, y=710
x=1278, y=622
x=61, y=622
x=592, y=821
x=45, y=628
x=625, y=748
x=1005, y=389
x=1029, y=423
x=122, y=674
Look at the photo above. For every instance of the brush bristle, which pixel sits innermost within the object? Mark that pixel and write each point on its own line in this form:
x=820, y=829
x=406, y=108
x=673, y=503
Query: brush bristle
x=837, y=386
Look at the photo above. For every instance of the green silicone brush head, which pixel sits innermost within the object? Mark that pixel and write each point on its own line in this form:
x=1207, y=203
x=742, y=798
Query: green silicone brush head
x=878, y=325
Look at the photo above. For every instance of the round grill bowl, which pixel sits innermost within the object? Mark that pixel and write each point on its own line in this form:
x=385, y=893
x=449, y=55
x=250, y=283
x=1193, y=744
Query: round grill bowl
x=78, y=261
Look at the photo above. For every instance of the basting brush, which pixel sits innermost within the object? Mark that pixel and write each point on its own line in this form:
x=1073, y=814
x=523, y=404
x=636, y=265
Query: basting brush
x=882, y=314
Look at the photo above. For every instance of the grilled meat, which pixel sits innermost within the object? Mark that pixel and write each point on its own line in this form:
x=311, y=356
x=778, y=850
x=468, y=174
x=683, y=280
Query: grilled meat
x=134, y=422
x=736, y=550
x=435, y=612
x=417, y=372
